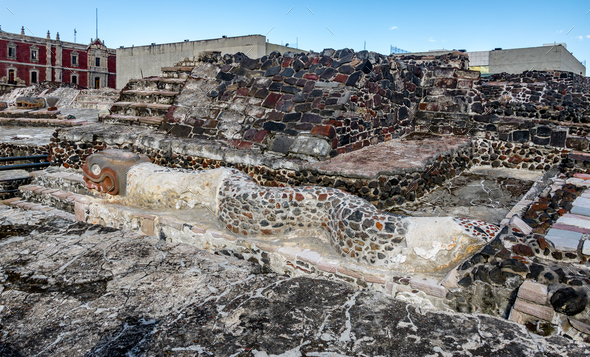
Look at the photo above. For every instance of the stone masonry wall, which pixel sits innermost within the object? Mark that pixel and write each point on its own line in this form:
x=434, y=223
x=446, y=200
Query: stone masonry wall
x=315, y=105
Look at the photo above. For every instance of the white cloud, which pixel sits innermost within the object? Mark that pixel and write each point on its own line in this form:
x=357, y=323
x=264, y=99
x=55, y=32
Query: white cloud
x=559, y=31
x=580, y=37
x=431, y=40
x=588, y=36
x=393, y=28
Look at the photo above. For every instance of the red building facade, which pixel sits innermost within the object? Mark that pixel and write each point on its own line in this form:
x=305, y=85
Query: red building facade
x=27, y=60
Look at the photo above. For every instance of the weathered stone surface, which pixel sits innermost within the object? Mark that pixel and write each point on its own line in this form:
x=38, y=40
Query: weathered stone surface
x=93, y=291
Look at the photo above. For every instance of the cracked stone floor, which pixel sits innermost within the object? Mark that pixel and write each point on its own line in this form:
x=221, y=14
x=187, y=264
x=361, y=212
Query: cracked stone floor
x=72, y=289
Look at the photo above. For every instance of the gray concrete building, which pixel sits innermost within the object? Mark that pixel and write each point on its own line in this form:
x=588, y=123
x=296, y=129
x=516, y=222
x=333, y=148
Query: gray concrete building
x=135, y=61
x=549, y=57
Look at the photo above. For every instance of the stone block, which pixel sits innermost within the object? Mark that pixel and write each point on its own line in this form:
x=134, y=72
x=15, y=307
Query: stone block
x=518, y=223
x=543, y=312
x=327, y=266
x=312, y=146
x=428, y=285
x=518, y=317
x=580, y=326
x=450, y=281
x=309, y=256
x=349, y=272
x=586, y=247
x=148, y=227
x=374, y=279
x=533, y=292
x=563, y=244
x=199, y=230
x=289, y=252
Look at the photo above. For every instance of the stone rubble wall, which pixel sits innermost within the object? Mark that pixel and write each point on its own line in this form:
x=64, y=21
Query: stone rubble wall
x=545, y=108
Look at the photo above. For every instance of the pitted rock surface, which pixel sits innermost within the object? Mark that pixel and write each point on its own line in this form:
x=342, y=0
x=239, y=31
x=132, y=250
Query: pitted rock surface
x=71, y=289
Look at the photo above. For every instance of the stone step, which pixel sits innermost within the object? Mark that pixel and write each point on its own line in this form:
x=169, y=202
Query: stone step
x=148, y=96
x=157, y=83
x=49, y=197
x=42, y=122
x=28, y=113
x=131, y=119
x=162, y=93
x=91, y=104
x=39, y=207
x=140, y=109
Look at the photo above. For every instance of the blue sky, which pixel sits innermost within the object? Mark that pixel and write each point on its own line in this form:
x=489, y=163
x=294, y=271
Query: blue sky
x=413, y=26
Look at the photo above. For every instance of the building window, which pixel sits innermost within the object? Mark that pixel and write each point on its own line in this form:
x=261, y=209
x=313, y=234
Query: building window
x=74, y=59
x=11, y=51
x=34, y=54
x=34, y=77
x=74, y=79
x=11, y=75
x=97, y=61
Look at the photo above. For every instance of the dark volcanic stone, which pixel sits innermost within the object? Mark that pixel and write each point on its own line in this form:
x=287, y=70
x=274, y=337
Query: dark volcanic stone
x=497, y=276
x=465, y=282
x=569, y=301
x=272, y=71
x=353, y=78
x=515, y=265
x=272, y=126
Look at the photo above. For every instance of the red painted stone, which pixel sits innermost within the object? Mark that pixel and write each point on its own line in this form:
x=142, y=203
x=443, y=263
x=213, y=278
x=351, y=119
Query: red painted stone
x=242, y=91
x=287, y=61
x=341, y=78
x=275, y=116
x=299, y=197
x=523, y=250
x=311, y=76
x=259, y=136
x=322, y=197
x=271, y=100
x=325, y=130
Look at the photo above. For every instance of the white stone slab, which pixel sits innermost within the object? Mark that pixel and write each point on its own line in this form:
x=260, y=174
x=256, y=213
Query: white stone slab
x=581, y=211
x=564, y=244
x=582, y=201
x=574, y=221
x=586, y=247
x=560, y=233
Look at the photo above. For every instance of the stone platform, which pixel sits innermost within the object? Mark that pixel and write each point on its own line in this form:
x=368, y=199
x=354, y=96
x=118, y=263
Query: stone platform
x=410, y=154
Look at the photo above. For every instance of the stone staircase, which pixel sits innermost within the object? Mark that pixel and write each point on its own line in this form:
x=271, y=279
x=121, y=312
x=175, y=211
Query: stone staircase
x=146, y=101
x=55, y=191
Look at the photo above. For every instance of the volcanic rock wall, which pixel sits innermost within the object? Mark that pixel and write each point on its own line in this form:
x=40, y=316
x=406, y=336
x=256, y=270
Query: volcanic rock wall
x=541, y=108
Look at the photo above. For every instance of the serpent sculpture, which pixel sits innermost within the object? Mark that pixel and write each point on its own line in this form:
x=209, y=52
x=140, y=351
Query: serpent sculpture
x=350, y=225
